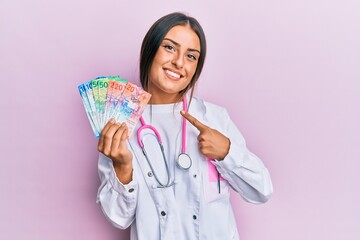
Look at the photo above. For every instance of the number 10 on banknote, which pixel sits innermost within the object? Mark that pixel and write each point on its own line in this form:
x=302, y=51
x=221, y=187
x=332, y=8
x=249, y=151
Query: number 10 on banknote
x=112, y=97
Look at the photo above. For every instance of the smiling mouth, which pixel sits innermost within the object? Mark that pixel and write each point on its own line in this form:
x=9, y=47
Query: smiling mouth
x=173, y=75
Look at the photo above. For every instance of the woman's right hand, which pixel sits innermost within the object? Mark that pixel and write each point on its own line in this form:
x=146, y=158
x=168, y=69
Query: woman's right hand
x=112, y=143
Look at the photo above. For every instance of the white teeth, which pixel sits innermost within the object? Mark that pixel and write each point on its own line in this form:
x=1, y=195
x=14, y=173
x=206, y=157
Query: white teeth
x=175, y=75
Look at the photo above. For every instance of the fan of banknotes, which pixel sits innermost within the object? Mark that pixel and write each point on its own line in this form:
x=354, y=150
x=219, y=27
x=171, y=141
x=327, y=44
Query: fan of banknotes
x=112, y=97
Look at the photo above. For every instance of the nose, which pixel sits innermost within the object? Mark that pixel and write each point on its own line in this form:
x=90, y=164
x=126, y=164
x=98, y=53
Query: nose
x=178, y=61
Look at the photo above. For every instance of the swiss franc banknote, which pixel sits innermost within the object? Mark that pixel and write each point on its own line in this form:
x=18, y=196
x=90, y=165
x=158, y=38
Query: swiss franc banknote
x=88, y=110
x=114, y=91
x=131, y=105
x=112, y=97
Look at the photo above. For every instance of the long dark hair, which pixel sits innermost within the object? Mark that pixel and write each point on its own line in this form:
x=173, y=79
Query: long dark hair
x=155, y=36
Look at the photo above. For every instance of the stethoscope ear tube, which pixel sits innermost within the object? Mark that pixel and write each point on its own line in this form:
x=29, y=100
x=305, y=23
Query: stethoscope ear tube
x=162, y=185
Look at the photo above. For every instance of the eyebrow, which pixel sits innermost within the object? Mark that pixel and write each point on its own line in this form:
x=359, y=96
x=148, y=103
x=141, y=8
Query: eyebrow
x=177, y=44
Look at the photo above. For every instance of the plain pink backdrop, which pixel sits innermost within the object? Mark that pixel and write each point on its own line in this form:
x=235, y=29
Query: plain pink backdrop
x=288, y=72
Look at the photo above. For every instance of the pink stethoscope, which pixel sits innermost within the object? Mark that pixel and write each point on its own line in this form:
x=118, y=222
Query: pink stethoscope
x=183, y=161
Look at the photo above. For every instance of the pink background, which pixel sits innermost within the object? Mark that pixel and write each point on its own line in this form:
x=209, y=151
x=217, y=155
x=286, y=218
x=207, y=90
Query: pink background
x=288, y=72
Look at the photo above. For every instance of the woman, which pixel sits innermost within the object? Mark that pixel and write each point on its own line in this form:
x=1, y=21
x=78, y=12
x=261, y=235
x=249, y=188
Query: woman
x=156, y=192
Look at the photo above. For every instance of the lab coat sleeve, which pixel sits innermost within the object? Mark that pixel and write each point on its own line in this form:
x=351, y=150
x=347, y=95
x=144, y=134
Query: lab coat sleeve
x=117, y=201
x=244, y=171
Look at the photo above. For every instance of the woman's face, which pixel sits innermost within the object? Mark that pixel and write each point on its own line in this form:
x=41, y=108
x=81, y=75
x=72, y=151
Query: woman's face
x=174, y=64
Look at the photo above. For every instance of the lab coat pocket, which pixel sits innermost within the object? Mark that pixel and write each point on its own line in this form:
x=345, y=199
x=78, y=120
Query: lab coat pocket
x=214, y=188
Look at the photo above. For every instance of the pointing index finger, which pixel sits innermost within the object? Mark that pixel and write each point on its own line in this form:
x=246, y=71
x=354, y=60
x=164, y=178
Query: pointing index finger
x=196, y=123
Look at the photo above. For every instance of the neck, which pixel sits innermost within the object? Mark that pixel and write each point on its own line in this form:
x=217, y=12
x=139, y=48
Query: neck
x=165, y=99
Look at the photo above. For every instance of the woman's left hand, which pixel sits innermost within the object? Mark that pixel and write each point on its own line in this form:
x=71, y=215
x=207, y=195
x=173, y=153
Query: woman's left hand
x=212, y=143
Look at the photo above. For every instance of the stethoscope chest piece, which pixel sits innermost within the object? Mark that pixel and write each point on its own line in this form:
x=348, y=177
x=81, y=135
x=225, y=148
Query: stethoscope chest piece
x=184, y=161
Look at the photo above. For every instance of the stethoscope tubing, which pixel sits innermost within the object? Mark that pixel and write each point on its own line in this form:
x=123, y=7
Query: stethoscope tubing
x=144, y=126
x=183, y=139
x=157, y=134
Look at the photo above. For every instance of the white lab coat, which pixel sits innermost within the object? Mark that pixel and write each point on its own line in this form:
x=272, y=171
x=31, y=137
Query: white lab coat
x=192, y=208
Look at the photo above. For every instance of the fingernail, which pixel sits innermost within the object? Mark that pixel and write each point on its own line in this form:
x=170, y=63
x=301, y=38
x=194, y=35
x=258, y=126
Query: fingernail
x=112, y=120
x=182, y=112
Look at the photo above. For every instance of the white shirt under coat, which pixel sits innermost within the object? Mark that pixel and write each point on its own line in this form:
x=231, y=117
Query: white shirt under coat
x=192, y=208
